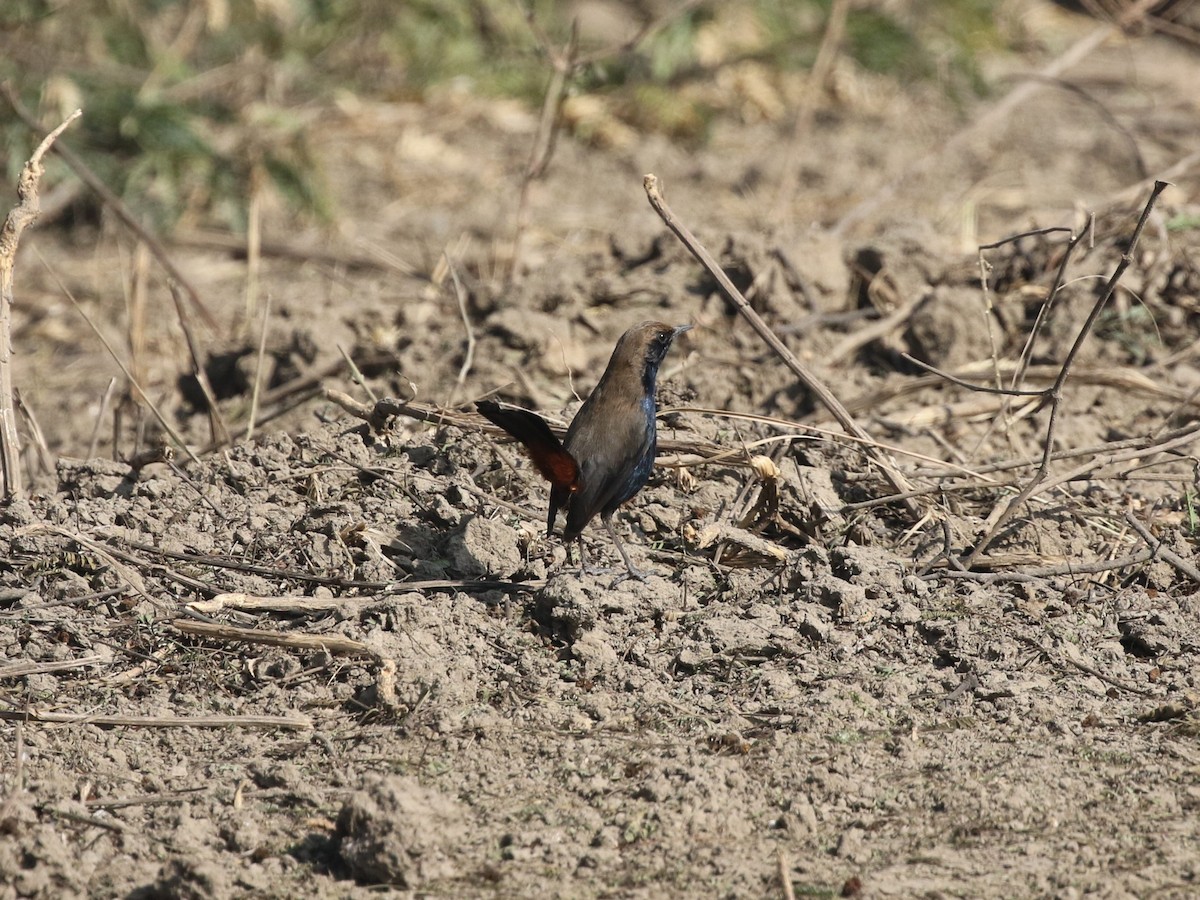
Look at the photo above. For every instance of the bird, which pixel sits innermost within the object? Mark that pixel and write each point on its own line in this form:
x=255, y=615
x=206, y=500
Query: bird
x=608, y=452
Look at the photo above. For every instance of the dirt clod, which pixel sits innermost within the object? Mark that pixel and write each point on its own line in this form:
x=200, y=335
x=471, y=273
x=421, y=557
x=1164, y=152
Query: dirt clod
x=393, y=831
x=485, y=547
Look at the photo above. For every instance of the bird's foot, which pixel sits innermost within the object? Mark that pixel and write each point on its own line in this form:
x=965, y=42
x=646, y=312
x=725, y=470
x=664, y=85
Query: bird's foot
x=597, y=570
x=632, y=573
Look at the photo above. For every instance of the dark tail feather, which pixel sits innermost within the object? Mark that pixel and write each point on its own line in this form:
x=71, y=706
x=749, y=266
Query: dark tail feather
x=543, y=446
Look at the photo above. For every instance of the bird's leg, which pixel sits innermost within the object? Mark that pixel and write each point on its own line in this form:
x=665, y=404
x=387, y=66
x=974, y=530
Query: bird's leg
x=585, y=569
x=633, y=571
x=583, y=566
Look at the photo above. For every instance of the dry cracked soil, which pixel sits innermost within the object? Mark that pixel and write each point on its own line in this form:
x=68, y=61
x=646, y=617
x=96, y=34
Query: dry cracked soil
x=340, y=657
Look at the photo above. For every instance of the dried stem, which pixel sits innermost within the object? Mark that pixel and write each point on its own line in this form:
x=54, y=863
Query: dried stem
x=1033, y=232
x=23, y=215
x=1074, y=569
x=44, y=457
x=880, y=328
x=818, y=78
x=1044, y=313
x=563, y=66
x=258, y=367
x=21, y=669
x=162, y=420
x=34, y=715
x=333, y=643
x=216, y=423
x=460, y=294
x=1166, y=554
x=105, y=399
x=291, y=606
x=969, y=385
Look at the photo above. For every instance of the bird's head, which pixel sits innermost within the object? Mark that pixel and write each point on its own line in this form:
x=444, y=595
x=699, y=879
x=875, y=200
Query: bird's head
x=646, y=345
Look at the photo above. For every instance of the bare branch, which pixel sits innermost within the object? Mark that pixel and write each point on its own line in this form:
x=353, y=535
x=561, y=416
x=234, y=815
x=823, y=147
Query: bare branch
x=23, y=215
x=1168, y=556
x=969, y=385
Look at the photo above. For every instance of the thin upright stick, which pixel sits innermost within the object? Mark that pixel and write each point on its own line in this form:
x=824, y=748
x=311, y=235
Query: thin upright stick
x=22, y=215
x=460, y=294
x=563, y=65
x=818, y=78
x=104, y=401
x=258, y=368
x=216, y=422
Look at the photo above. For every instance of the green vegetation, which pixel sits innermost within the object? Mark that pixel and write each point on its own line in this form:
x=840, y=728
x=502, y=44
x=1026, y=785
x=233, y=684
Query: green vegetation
x=189, y=107
x=1183, y=222
x=1133, y=329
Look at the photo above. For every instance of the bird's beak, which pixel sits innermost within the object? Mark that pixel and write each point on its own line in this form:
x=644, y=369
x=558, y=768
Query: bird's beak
x=680, y=329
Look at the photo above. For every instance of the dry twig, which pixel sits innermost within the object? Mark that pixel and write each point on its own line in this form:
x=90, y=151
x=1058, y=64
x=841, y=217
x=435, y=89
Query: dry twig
x=1071, y=569
x=162, y=419
x=1122, y=450
x=258, y=368
x=785, y=877
x=23, y=215
x=1164, y=553
x=178, y=796
x=564, y=65
x=288, y=396
x=333, y=643
x=285, y=605
x=1071, y=655
x=110, y=556
x=873, y=331
x=21, y=669
x=45, y=458
x=817, y=81
x=105, y=399
x=216, y=422
x=35, y=715
x=460, y=294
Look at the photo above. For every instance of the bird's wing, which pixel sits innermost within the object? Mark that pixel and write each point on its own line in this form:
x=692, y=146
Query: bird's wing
x=613, y=451
x=543, y=446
